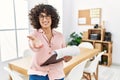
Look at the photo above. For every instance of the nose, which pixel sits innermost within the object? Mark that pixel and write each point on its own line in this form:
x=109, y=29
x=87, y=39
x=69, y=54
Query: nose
x=44, y=17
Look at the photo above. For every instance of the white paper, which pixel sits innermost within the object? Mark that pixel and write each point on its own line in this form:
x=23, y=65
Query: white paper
x=82, y=21
x=67, y=51
x=95, y=21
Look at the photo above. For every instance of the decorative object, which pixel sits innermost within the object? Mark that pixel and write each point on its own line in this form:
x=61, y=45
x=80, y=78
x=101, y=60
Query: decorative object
x=75, y=39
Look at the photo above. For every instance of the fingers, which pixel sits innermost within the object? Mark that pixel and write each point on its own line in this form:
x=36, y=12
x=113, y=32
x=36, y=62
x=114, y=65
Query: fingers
x=36, y=43
x=31, y=37
x=67, y=58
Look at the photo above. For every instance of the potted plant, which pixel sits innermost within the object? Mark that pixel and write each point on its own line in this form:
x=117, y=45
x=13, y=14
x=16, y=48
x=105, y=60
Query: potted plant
x=75, y=39
x=104, y=60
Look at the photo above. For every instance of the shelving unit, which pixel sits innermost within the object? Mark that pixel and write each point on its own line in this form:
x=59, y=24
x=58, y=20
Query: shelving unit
x=100, y=44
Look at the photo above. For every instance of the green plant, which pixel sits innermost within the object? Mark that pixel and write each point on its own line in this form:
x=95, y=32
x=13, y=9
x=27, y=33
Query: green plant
x=75, y=38
x=104, y=59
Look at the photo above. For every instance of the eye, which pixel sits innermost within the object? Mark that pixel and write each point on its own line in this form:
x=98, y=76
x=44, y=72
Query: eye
x=45, y=16
x=41, y=16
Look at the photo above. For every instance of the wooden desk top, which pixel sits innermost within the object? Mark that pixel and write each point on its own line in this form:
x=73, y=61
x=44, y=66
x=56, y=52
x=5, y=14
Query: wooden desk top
x=22, y=65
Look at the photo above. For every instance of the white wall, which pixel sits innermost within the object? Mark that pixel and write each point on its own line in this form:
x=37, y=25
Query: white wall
x=67, y=17
x=32, y=3
x=110, y=14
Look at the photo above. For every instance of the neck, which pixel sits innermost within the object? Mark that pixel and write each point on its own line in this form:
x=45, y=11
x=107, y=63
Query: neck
x=47, y=30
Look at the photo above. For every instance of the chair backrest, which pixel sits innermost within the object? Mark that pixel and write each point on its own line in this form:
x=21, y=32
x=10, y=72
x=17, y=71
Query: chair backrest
x=86, y=45
x=93, y=64
x=77, y=72
x=13, y=75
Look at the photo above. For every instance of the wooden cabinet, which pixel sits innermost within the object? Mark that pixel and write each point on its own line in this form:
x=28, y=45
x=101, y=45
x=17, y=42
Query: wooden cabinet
x=99, y=43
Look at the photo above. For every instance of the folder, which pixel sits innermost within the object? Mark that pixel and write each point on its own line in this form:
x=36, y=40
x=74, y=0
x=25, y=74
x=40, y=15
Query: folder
x=52, y=60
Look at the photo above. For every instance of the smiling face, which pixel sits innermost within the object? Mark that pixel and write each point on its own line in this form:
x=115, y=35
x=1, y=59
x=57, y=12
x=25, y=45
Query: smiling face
x=45, y=20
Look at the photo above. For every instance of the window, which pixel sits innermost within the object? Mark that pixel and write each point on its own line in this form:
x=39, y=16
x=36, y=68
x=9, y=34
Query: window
x=13, y=28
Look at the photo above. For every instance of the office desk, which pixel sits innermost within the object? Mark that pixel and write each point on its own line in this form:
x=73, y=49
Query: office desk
x=22, y=65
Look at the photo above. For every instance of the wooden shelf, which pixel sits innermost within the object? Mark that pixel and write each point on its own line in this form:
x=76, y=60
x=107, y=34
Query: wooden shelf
x=100, y=44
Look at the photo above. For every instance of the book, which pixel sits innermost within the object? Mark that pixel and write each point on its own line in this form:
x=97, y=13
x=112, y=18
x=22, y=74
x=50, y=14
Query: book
x=52, y=60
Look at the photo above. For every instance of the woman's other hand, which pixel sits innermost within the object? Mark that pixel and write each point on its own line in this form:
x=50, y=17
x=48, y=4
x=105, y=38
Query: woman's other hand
x=36, y=43
x=67, y=58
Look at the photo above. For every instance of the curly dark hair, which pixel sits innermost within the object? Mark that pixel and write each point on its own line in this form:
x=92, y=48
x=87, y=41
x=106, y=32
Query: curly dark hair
x=48, y=10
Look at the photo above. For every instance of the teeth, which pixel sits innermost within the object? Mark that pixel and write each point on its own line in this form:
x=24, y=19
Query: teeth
x=45, y=23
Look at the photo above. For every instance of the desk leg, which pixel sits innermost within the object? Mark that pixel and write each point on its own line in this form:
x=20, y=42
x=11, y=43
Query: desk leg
x=10, y=78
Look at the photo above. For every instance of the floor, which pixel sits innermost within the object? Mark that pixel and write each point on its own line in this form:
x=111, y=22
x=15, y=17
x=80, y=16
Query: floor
x=109, y=73
x=105, y=73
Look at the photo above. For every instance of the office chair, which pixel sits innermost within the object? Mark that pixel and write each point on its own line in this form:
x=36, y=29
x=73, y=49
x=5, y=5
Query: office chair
x=13, y=75
x=91, y=67
x=86, y=45
x=77, y=72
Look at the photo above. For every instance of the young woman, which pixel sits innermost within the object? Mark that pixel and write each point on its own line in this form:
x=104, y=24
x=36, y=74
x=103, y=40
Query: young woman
x=43, y=41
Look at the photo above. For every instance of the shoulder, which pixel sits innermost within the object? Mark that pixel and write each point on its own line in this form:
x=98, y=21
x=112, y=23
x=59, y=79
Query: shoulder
x=56, y=33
